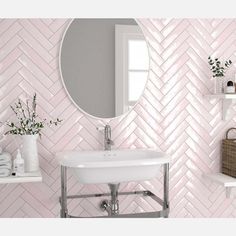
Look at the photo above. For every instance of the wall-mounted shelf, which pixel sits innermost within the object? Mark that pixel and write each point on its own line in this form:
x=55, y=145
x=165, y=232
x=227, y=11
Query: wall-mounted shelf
x=227, y=181
x=227, y=101
x=33, y=177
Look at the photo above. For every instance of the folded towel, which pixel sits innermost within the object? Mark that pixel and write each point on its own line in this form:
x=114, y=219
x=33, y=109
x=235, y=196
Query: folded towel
x=4, y=172
x=5, y=165
x=5, y=157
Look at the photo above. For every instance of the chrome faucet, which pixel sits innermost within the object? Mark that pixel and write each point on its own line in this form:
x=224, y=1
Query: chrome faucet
x=107, y=137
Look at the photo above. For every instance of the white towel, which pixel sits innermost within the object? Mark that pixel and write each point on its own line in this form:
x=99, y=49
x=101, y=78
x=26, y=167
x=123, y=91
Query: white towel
x=5, y=157
x=5, y=172
x=6, y=165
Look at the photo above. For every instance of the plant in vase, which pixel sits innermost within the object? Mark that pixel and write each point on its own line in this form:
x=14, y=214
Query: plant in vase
x=218, y=69
x=29, y=126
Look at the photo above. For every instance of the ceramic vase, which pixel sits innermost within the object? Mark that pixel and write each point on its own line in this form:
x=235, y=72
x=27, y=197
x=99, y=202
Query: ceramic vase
x=30, y=152
x=219, y=85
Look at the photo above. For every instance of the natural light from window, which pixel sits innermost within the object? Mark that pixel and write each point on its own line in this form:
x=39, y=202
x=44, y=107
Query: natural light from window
x=138, y=62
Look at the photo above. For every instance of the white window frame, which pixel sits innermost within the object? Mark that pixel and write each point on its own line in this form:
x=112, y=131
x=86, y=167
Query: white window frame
x=123, y=33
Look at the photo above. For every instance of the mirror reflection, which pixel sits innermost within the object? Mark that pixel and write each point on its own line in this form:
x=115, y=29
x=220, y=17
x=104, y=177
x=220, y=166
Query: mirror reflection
x=104, y=65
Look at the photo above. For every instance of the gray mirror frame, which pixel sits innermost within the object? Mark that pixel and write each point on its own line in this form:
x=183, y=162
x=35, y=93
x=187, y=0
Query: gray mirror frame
x=70, y=97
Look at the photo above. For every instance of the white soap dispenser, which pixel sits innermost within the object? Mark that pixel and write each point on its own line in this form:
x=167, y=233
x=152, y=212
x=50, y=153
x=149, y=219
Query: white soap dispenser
x=19, y=166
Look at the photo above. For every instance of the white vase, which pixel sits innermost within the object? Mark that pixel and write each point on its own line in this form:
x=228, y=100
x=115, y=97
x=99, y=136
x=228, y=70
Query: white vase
x=219, y=84
x=30, y=152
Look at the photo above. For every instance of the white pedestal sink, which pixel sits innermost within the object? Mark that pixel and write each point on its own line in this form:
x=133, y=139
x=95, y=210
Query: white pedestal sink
x=116, y=166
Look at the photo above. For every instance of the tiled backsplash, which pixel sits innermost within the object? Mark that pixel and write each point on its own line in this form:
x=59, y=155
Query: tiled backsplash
x=172, y=115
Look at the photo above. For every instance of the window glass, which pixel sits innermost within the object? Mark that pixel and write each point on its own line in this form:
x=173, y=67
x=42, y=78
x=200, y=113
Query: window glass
x=138, y=55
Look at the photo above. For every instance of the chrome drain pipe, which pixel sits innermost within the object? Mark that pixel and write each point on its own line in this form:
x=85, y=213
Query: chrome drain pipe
x=112, y=206
x=114, y=203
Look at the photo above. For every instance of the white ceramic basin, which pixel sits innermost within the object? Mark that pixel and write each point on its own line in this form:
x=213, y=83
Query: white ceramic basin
x=113, y=166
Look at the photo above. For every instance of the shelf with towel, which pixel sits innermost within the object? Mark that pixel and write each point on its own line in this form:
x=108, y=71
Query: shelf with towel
x=5, y=164
x=228, y=99
x=31, y=177
x=226, y=181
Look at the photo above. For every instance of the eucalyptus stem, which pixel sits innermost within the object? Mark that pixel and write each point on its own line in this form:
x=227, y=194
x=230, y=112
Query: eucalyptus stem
x=218, y=68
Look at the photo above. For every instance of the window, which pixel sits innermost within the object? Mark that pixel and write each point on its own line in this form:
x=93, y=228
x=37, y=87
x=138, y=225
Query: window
x=132, y=62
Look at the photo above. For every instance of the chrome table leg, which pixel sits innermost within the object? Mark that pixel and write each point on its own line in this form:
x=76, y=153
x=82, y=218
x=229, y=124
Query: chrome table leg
x=64, y=211
x=166, y=190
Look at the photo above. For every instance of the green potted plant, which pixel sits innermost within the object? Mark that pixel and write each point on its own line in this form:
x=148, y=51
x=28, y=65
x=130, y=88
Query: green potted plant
x=29, y=126
x=218, y=69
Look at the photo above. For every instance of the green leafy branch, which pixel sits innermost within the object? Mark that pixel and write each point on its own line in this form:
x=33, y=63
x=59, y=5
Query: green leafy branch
x=218, y=68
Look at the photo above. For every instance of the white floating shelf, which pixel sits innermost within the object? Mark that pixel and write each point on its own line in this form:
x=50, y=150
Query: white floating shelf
x=222, y=95
x=228, y=99
x=224, y=180
x=33, y=177
x=227, y=181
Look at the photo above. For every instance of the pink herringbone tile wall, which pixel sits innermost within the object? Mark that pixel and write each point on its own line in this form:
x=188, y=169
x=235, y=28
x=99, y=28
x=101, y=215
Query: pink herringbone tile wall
x=173, y=115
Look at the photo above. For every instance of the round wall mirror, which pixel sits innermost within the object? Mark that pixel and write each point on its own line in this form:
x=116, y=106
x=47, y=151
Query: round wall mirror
x=104, y=65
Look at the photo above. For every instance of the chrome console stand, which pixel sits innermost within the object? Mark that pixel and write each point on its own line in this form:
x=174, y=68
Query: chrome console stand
x=112, y=206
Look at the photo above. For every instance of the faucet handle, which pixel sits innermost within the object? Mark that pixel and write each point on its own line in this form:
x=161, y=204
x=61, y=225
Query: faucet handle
x=111, y=142
x=100, y=128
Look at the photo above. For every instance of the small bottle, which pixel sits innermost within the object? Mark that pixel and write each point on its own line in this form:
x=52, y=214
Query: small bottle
x=230, y=88
x=18, y=164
